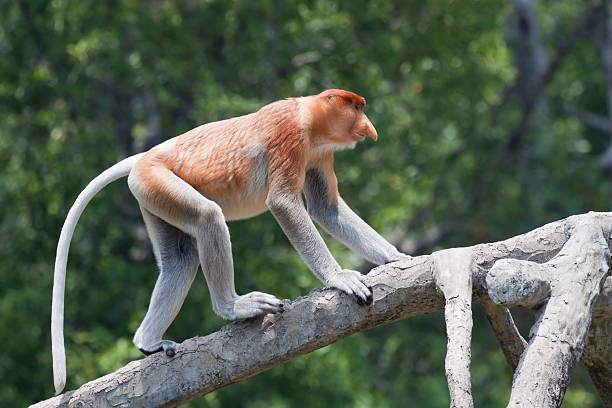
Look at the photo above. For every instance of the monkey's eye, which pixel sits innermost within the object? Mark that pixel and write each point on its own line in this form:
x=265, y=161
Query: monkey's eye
x=330, y=96
x=356, y=107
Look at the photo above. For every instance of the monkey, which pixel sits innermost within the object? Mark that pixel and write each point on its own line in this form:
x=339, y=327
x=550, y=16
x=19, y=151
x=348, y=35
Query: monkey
x=189, y=186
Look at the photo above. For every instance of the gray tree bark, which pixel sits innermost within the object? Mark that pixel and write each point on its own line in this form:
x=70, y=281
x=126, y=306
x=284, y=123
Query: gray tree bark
x=565, y=289
x=561, y=269
x=452, y=272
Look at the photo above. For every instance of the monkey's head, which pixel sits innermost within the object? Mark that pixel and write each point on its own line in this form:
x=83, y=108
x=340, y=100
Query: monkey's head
x=339, y=118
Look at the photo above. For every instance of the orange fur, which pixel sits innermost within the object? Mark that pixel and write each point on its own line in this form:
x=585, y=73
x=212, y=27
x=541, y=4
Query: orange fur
x=159, y=192
x=219, y=159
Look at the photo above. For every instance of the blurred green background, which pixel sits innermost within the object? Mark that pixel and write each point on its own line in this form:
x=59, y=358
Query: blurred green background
x=485, y=112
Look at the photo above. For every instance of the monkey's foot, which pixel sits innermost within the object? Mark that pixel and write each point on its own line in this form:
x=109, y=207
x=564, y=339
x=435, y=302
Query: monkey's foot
x=169, y=347
x=403, y=257
x=249, y=305
x=353, y=283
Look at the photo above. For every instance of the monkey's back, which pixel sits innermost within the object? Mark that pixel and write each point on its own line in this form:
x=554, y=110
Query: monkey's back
x=228, y=161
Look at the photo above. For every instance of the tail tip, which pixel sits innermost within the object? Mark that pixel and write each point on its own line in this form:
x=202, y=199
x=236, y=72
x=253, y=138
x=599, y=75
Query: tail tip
x=59, y=386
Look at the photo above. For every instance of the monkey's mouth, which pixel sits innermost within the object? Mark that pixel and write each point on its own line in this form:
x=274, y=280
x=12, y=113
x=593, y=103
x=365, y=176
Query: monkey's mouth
x=358, y=136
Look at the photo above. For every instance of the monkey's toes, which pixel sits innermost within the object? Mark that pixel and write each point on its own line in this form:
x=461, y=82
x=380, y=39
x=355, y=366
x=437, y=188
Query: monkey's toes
x=167, y=346
x=257, y=303
x=169, y=349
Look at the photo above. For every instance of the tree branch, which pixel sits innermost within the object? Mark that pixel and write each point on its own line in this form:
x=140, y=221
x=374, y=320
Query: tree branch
x=568, y=286
x=401, y=290
x=508, y=336
x=591, y=119
x=596, y=356
x=452, y=271
x=534, y=69
x=602, y=37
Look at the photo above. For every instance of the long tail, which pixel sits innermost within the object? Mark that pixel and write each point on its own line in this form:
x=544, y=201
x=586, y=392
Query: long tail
x=111, y=174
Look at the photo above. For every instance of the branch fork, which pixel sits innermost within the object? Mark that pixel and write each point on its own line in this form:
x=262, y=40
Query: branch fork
x=565, y=289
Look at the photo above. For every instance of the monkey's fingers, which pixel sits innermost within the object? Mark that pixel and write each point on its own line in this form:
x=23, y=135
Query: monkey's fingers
x=370, y=297
x=363, y=292
x=361, y=288
x=368, y=300
x=353, y=283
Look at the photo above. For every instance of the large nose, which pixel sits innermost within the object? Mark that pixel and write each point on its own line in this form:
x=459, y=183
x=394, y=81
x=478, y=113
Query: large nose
x=370, y=131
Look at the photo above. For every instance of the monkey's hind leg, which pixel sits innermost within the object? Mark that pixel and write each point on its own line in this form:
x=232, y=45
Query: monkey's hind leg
x=177, y=257
x=170, y=198
x=215, y=252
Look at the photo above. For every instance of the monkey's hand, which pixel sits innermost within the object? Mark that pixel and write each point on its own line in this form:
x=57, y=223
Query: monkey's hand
x=353, y=283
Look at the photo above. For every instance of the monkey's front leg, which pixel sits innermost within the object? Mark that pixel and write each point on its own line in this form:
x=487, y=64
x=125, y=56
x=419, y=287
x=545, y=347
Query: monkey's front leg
x=346, y=226
x=343, y=224
x=291, y=214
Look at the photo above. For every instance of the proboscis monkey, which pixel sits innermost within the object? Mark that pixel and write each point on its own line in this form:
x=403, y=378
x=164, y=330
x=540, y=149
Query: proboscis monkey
x=189, y=186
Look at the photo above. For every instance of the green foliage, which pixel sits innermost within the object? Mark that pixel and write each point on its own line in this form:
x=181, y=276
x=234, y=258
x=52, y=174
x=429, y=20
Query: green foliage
x=83, y=83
